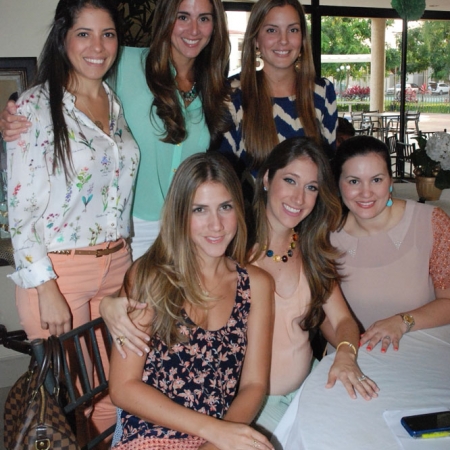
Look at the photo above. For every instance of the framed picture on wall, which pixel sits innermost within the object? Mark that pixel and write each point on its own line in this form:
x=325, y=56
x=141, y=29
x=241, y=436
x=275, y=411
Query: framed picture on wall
x=15, y=76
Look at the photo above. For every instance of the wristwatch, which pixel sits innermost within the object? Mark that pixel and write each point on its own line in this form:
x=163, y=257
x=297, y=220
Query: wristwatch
x=408, y=320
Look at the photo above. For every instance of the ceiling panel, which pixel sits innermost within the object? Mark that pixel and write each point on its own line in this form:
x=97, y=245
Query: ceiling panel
x=431, y=5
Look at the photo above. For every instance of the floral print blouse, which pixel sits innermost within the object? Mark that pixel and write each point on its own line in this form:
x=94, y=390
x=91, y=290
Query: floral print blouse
x=202, y=373
x=48, y=213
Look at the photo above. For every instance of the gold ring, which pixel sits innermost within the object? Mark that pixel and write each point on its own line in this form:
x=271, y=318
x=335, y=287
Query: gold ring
x=121, y=340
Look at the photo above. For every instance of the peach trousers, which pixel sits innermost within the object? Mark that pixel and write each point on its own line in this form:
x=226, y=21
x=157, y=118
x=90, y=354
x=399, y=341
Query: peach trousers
x=83, y=280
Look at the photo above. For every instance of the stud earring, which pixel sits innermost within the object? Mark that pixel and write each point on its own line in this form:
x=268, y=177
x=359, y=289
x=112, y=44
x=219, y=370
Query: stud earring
x=259, y=62
x=389, y=203
x=265, y=189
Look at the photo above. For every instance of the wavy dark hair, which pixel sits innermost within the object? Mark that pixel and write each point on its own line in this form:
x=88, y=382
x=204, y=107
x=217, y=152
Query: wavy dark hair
x=357, y=146
x=256, y=99
x=317, y=253
x=55, y=69
x=210, y=67
x=167, y=275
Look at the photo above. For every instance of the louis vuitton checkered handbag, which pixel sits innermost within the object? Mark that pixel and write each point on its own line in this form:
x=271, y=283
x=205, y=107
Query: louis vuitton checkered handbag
x=34, y=418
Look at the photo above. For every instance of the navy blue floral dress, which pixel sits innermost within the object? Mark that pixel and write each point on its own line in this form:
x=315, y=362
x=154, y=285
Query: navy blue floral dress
x=202, y=373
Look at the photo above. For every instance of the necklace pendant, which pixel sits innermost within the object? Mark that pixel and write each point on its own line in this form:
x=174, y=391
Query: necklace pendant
x=99, y=124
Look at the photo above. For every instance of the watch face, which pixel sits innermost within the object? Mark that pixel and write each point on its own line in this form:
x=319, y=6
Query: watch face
x=409, y=319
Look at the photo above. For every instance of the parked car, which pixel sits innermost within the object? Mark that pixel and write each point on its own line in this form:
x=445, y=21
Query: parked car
x=439, y=89
x=413, y=86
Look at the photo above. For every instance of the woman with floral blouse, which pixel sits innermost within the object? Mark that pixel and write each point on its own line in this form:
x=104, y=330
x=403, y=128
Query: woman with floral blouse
x=71, y=179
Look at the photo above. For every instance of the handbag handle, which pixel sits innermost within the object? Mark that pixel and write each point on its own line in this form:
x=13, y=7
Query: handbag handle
x=48, y=355
x=56, y=356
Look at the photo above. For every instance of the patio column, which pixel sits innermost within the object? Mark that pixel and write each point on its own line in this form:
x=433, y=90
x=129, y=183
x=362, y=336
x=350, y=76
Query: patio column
x=377, y=65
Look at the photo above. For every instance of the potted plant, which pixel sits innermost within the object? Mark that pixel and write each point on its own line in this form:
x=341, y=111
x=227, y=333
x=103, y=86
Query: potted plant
x=431, y=162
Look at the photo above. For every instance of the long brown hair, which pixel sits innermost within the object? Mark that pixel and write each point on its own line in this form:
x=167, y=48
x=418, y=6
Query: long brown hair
x=167, y=275
x=256, y=98
x=318, y=255
x=210, y=68
x=55, y=69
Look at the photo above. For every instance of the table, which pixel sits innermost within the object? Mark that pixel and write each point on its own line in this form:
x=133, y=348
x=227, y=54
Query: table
x=384, y=118
x=416, y=376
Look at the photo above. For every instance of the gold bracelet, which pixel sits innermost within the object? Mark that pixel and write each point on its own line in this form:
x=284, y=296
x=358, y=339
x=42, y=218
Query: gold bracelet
x=349, y=344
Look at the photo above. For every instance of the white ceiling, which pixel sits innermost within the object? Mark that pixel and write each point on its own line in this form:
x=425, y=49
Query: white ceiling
x=431, y=5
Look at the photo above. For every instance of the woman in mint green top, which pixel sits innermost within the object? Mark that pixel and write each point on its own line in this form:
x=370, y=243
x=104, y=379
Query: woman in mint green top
x=173, y=95
x=159, y=159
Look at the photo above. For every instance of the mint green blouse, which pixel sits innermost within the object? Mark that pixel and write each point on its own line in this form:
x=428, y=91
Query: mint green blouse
x=159, y=160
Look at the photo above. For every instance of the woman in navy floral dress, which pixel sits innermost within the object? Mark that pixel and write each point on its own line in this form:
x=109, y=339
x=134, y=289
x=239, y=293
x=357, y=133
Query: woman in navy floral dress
x=208, y=318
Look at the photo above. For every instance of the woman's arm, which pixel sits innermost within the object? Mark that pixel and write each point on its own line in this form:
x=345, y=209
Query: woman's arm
x=254, y=381
x=435, y=313
x=391, y=330
x=343, y=329
x=12, y=126
x=130, y=393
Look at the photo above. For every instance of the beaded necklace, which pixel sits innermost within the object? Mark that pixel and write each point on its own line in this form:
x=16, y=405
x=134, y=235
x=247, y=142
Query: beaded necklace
x=190, y=95
x=290, y=252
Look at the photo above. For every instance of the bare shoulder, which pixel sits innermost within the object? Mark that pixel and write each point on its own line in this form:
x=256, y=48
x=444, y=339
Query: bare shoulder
x=260, y=278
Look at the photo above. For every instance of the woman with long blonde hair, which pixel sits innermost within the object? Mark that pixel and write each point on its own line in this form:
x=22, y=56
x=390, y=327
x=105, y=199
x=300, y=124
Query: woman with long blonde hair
x=209, y=319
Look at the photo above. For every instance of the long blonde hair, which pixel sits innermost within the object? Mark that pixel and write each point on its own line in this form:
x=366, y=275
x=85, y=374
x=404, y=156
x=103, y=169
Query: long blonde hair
x=167, y=275
x=259, y=130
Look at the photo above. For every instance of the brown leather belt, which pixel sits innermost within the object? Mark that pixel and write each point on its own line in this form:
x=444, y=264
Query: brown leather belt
x=97, y=253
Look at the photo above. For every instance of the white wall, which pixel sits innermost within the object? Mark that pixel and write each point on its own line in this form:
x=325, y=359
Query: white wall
x=24, y=25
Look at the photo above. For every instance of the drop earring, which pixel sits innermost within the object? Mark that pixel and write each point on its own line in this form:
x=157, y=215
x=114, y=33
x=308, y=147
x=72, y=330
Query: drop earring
x=297, y=64
x=389, y=203
x=259, y=62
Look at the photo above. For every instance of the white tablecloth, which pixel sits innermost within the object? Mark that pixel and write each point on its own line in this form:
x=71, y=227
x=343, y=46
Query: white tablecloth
x=415, y=377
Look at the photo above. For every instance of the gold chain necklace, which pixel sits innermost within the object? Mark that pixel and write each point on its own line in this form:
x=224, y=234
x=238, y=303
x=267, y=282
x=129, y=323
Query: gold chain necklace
x=98, y=123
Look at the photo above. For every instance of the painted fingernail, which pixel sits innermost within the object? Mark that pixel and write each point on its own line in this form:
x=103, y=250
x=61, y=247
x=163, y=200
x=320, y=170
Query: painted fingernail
x=368, y=348
x=360, y=344
x=383, y=350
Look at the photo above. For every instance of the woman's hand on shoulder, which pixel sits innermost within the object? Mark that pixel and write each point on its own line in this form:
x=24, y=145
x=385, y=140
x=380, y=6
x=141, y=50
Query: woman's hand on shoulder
x=346, y=369
x=114, y=311
x=12, y=126
x=387, y=331
x=235, y=436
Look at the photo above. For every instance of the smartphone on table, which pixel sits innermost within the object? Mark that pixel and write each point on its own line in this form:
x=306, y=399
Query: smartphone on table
x=435, y=424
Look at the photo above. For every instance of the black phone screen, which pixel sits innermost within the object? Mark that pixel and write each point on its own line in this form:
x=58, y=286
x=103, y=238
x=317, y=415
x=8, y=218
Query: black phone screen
x=426, y=422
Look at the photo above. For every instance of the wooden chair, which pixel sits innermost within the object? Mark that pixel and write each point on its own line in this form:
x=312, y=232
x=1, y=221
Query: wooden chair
x=391, y=142
x=71, y=348
x=404, y=164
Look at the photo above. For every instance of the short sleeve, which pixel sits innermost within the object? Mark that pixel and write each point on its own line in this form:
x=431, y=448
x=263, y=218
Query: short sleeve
x=440, y=254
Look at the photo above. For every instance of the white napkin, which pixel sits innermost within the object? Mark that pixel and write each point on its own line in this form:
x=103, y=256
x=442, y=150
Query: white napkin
x=407, y=442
